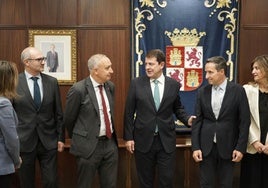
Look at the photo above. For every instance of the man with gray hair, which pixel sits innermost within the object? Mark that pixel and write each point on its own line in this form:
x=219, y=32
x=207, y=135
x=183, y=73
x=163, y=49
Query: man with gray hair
x=89, y=121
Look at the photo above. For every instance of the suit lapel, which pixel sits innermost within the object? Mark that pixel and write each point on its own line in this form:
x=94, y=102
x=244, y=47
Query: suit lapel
x=167, y=87
x=109, y=96
x=45, y=89
x=149, y=93
x=254, y=106
x=92, y=94
x=226, y=96
x=24, y=86
x=208, y=99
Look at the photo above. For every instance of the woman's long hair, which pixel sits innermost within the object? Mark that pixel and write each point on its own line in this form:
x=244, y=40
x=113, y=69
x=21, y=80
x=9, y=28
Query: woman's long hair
x=8, y=79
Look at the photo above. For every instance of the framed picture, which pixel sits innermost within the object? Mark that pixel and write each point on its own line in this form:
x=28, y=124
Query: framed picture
x=59, y=47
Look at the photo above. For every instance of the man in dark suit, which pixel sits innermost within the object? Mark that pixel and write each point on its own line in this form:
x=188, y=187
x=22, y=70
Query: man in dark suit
x=149, y=126
x=40, y=129
x=220, y=132
x=89, y=119
x=52, y=59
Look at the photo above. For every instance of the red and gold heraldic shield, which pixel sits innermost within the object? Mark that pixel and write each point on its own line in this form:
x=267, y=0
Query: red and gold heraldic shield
x=185, y=64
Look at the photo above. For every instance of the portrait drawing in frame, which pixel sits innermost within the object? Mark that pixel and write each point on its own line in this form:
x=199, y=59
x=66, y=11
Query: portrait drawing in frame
x=59, y=47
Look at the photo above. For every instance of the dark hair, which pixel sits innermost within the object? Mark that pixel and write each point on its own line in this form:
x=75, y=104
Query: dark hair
x=8, y=79
x=220, y=63
x=158, y=54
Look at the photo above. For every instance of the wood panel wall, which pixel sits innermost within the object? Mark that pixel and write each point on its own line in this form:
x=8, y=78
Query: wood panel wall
x=103, y=26
x=253, y=39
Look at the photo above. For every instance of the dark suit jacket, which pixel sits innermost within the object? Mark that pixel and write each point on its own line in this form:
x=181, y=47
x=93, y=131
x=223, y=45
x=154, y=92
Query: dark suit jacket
x=231, y=127
x=46, y=123
x=141, y=115
x=82, y=118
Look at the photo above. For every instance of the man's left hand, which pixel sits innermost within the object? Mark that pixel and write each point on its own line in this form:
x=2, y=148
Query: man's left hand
x=237, y=156
x=60, y=146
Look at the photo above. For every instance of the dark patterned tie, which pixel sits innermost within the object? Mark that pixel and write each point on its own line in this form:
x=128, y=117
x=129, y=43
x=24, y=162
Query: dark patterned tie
x=105, y=113
x=37, y=95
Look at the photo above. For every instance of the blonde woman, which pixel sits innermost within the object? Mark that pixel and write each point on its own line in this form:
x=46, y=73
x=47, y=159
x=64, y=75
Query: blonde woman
x=254, y=166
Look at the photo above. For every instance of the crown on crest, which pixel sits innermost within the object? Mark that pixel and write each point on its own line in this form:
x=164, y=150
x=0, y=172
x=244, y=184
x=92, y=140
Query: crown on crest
x=185, y=37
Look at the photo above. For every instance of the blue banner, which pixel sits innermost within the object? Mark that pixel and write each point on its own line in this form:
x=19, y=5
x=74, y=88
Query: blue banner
x=211, y=24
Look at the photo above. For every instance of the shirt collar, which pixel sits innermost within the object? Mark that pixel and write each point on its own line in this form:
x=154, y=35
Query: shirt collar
x=28, y=75
x=222, y=85
x=94, y=83
x=161, y=79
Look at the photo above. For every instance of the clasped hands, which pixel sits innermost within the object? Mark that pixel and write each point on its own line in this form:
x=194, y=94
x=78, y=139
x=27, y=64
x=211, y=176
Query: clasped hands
x=260, y=147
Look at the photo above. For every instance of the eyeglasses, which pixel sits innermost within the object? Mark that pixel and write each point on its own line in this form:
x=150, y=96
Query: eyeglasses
x=40, y=60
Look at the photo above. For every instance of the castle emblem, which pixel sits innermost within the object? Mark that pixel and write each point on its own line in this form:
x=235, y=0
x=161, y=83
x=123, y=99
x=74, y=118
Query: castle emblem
x=175, y=57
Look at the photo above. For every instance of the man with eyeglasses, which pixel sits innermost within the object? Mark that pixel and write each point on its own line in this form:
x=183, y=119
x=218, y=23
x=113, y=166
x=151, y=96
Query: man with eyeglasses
x=40, y=129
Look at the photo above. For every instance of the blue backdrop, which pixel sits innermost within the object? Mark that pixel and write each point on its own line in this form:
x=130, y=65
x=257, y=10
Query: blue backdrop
x=217, y=18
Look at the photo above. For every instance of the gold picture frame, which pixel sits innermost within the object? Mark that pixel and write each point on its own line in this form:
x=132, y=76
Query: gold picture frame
x=64, y=43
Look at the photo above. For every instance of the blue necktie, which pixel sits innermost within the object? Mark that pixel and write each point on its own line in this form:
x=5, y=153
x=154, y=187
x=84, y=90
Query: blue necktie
x=156, y=94
x=37, y=95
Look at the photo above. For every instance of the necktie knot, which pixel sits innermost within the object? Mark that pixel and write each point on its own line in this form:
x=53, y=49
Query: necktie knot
x=217, y=88
x=34, y=78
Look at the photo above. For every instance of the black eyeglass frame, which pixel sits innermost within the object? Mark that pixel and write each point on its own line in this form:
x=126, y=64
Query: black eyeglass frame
x=40, y=60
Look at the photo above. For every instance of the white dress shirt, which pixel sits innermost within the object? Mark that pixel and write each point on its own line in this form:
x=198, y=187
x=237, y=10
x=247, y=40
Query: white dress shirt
x=97, y=92
x=30, y=83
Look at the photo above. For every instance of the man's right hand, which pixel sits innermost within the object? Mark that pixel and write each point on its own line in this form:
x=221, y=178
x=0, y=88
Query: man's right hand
x=197, y=155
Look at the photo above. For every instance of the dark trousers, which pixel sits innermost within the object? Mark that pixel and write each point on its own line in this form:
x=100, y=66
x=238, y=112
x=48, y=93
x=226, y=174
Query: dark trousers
x=104, y=160
x=48, y=166
x=155, y=160
x=254, y=170
x=213, y=168
x=5, y=181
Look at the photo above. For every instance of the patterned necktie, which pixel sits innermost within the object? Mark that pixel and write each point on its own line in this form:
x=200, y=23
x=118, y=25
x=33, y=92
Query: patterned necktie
x=156, y=99
x=217, y=101
x=105, y=113
x=37, y=95
x=156, y=94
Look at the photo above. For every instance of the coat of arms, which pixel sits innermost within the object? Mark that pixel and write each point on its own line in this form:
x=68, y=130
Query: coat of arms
x=184, y=60
x=185, y=64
